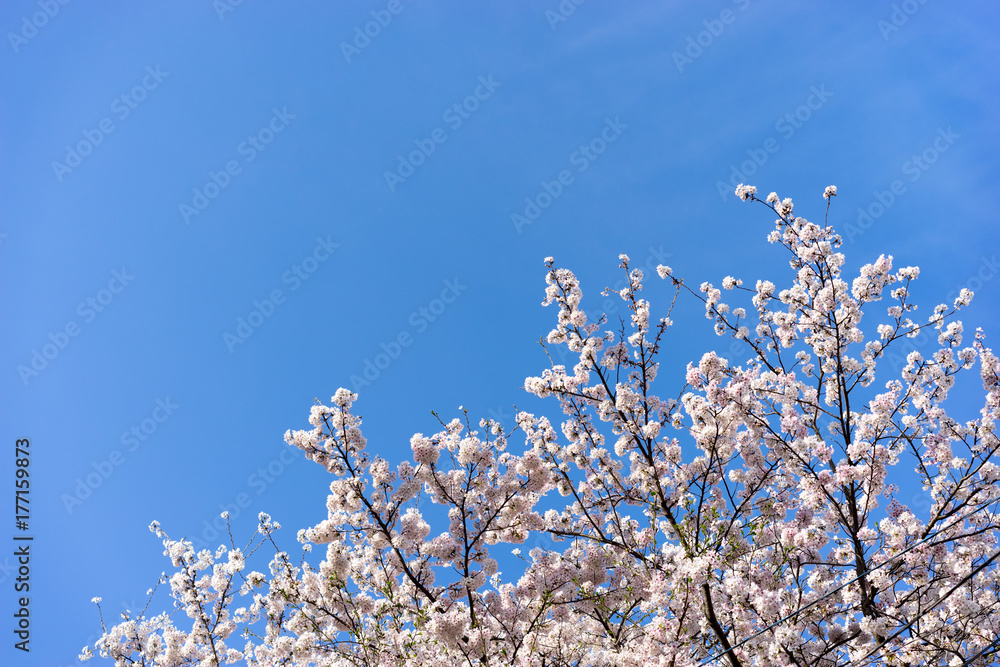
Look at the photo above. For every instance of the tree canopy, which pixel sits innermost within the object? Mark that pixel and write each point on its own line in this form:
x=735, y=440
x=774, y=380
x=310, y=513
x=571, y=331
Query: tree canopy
x=750, y=517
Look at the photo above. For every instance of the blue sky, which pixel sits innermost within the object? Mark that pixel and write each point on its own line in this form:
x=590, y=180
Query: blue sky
x=171, y=168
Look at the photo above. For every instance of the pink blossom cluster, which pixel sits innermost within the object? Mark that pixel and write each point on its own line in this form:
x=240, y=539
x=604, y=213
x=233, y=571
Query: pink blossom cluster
x=753, y=518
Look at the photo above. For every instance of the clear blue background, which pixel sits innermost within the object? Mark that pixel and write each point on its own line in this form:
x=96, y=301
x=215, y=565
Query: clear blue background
x=654, y=193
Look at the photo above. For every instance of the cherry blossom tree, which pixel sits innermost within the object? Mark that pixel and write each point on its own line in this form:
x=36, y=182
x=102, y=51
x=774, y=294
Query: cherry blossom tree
x=752, y=519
